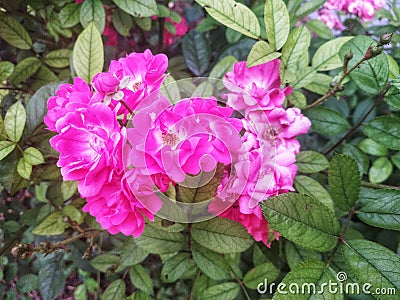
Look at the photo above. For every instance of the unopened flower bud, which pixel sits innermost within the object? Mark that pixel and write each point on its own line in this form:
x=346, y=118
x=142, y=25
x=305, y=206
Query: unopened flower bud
x=373, y=51
x=340, y=88
x=385, y=38
x=348, y=56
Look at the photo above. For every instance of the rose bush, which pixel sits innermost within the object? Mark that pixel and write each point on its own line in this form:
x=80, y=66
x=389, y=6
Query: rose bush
x=120, y=180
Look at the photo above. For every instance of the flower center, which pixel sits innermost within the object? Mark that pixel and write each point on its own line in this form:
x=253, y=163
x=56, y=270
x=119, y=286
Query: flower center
x=97, y=144
x=169, y=139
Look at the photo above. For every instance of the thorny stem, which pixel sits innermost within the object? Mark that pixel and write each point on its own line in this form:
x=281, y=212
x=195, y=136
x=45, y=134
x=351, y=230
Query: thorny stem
x=126, y=106
x=378, y=185
x=354, y=128
x=13, y=240
x=341, y=237
x=338, y=84
x=240, y=282
x=8, y=88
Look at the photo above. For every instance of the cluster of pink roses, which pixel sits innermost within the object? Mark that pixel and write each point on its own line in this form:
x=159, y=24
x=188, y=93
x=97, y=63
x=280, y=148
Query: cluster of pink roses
x=120, y=170
x=364, y=9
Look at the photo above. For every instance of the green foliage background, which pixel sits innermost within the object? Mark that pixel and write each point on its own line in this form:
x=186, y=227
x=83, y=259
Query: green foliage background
x=343, y=217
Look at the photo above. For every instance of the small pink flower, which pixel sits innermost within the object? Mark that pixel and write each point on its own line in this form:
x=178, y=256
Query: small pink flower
x=105, y=83
x=181, y=29
x=111, y=35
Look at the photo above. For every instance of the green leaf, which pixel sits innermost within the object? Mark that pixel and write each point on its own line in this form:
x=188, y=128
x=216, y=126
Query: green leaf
x=380, y=170
x=73, y=213
x=143, y=23
x=232, y=36
x=327, y=121
x=6, y=69
x=258, y=274
x=384, y=130
x=69, y=15
x=222, y=67
x=297, y=43
x=68, y=189
x=51, y=225
x=36, y=108
x=297, y=99
x=308, y=7
x=302, y=220
x=132, y=254
x=320, y=29
x=396, y=160
x=93, y=11
x=311, y=276
x=371, y=75
x=28, y=283
x=296, y=255
x=277, y=24
x=204, y=187
x=394, y=69
x=103, y=262
x=14, y=33
x=33, y=156
x=381, y=208
x=370, y=147
x=122, y=22
x=141, y=279
x=158, y=241
x=320, y=83
x=25, y=69
x=223, y=291
x=43, y=77
x=261, y=52
x=14, y=121
x=307, y=185
x=344, y=181
x=88, y=54
x=210, y=263
x=24, y=168
x=327, y=56
x=175, y=267
x=373, y=264
x=222, y=235
x=361, y=159
x=80, y=292
x=170, y=89
x=233, y=15
x=311, y=162
x=6, y=147
x=196, y=51
x=58, y=58
x=138, y=8
x=115, y=291
x=51, y=275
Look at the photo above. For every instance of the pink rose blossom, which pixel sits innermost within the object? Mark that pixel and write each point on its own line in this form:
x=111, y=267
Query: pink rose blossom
x=255, y=87
x=181, y=29
x=116, y=208
x=88, y=142
x=138, y=74
x=68, y=98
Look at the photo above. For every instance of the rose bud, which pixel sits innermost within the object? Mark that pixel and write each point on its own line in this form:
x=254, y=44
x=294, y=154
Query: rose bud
x=106, y=83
